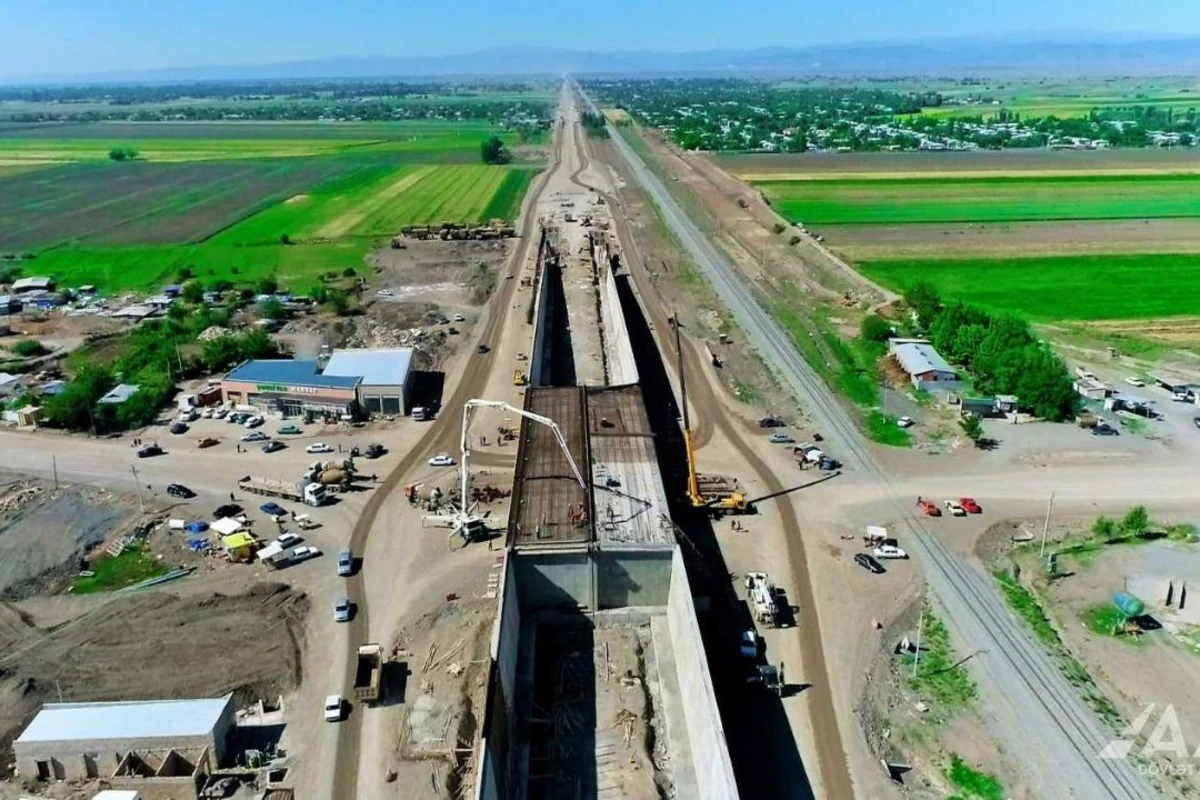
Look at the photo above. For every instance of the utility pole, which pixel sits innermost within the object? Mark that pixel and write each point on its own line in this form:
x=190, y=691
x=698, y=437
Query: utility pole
x=54, y=465
x=917, y=658
x=1046, y=526
x=138, y=485
x=179, y=358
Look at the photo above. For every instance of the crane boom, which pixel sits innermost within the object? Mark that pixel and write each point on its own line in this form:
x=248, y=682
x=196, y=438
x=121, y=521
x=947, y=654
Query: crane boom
x=693, y=485
x=717, y=498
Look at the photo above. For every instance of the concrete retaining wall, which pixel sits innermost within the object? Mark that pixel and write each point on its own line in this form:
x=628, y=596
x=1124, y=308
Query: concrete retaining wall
x=622, y=368
x=495, y=746
x=710, y=752
x=633, y=578
x=554, y=580
x=539, y=365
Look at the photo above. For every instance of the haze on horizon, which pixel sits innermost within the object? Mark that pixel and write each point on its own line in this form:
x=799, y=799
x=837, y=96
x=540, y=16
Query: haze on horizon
x=57, y=37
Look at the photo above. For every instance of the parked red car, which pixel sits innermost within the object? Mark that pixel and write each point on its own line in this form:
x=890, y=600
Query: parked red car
x=929, y=507
x=969, y=505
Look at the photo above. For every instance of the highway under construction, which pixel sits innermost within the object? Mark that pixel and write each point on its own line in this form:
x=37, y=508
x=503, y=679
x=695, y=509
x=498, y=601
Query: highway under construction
x=606, y=680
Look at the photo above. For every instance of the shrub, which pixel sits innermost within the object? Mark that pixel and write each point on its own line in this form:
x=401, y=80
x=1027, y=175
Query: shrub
x=29, y=348
x=875, y=328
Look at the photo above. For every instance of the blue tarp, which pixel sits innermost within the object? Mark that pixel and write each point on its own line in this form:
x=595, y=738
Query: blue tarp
x=1128, y=605
x=199, y=526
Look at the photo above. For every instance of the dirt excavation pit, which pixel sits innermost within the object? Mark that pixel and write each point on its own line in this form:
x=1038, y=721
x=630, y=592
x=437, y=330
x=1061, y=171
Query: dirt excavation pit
x=45, y=532
x=150, y=645
x=451, y=275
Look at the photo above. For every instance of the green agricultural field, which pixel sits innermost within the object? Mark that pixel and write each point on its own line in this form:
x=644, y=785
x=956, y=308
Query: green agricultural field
x=206, y=141
x=1059, y=288
x=138, y=203
x=380, y=204
x=146, y=269
x=218, y=198
x=1000, y=199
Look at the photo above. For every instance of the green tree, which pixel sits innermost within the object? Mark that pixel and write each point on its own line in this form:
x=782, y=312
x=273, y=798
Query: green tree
x=193, y=292
x=285, y=239
x=973, y=428
x=875, y=328
x=185, y=274
x=123, y=154
x=1136, y=521
x=349, y=272
x=266, y=285
x=74, y=406
x=924, y=299
x=338, y=302
x=271, y=308
x=493, y=151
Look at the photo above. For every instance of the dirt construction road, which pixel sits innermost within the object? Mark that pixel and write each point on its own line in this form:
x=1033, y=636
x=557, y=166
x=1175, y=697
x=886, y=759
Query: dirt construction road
x=1032, y=707
x=831, y=778
x=442, y=435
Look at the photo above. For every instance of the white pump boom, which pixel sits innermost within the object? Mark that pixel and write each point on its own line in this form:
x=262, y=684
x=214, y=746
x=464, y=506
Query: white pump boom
x=469, y=413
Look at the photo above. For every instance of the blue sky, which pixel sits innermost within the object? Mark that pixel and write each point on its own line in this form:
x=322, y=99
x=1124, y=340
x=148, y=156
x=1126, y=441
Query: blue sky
x=78, y=36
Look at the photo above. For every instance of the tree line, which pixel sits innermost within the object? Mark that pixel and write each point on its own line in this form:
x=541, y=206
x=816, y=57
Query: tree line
x=153, y=358
x=1000, y=351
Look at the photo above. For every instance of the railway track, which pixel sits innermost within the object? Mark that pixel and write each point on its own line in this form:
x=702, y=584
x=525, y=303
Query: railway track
x=1058, y=737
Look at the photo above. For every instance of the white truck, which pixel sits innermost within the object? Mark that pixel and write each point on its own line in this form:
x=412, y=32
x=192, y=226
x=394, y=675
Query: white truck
x=311, y=494
x=808, y=452
x=760, y=595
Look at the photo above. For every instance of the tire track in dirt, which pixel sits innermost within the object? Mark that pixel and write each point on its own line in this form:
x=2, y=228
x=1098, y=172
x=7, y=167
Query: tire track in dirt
x=834, y=771
x=442, y=434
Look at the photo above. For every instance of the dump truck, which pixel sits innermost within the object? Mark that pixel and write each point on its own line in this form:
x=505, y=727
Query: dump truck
x=312, y=494
x=760, y=594
x=368, y=673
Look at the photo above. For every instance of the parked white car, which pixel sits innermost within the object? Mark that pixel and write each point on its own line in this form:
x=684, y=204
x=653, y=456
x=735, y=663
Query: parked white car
x=333, y=708
x=341, y=609
x=318, y=447
x=253, y=422
x=889, y=551
x=288, y=539
x=304, y=553
x=1132, y=381
x=441, y=460
x=905, y=422
x=955, y=508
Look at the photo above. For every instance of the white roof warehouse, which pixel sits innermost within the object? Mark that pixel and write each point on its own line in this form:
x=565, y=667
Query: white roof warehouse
x=386, y=377
x=69, y=741
x=924, y=364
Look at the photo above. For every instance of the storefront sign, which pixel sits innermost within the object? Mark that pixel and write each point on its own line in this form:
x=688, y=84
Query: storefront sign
x=276, y=388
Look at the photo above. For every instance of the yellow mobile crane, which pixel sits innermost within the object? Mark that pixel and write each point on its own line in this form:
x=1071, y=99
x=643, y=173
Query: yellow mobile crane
x=713, y=492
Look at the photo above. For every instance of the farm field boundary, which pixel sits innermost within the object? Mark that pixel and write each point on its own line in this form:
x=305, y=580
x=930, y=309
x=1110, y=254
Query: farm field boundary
x=1095, y=287
x=1012, y=239
x=779, y=166
x=993, y=199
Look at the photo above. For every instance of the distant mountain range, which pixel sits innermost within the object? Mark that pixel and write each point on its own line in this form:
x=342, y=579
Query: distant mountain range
x=1079, y=54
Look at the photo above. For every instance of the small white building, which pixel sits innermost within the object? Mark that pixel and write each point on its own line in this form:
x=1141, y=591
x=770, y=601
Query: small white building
x=35, y=284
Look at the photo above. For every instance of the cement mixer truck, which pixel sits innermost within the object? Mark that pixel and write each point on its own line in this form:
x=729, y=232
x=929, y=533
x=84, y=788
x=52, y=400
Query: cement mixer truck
x=333, y=474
